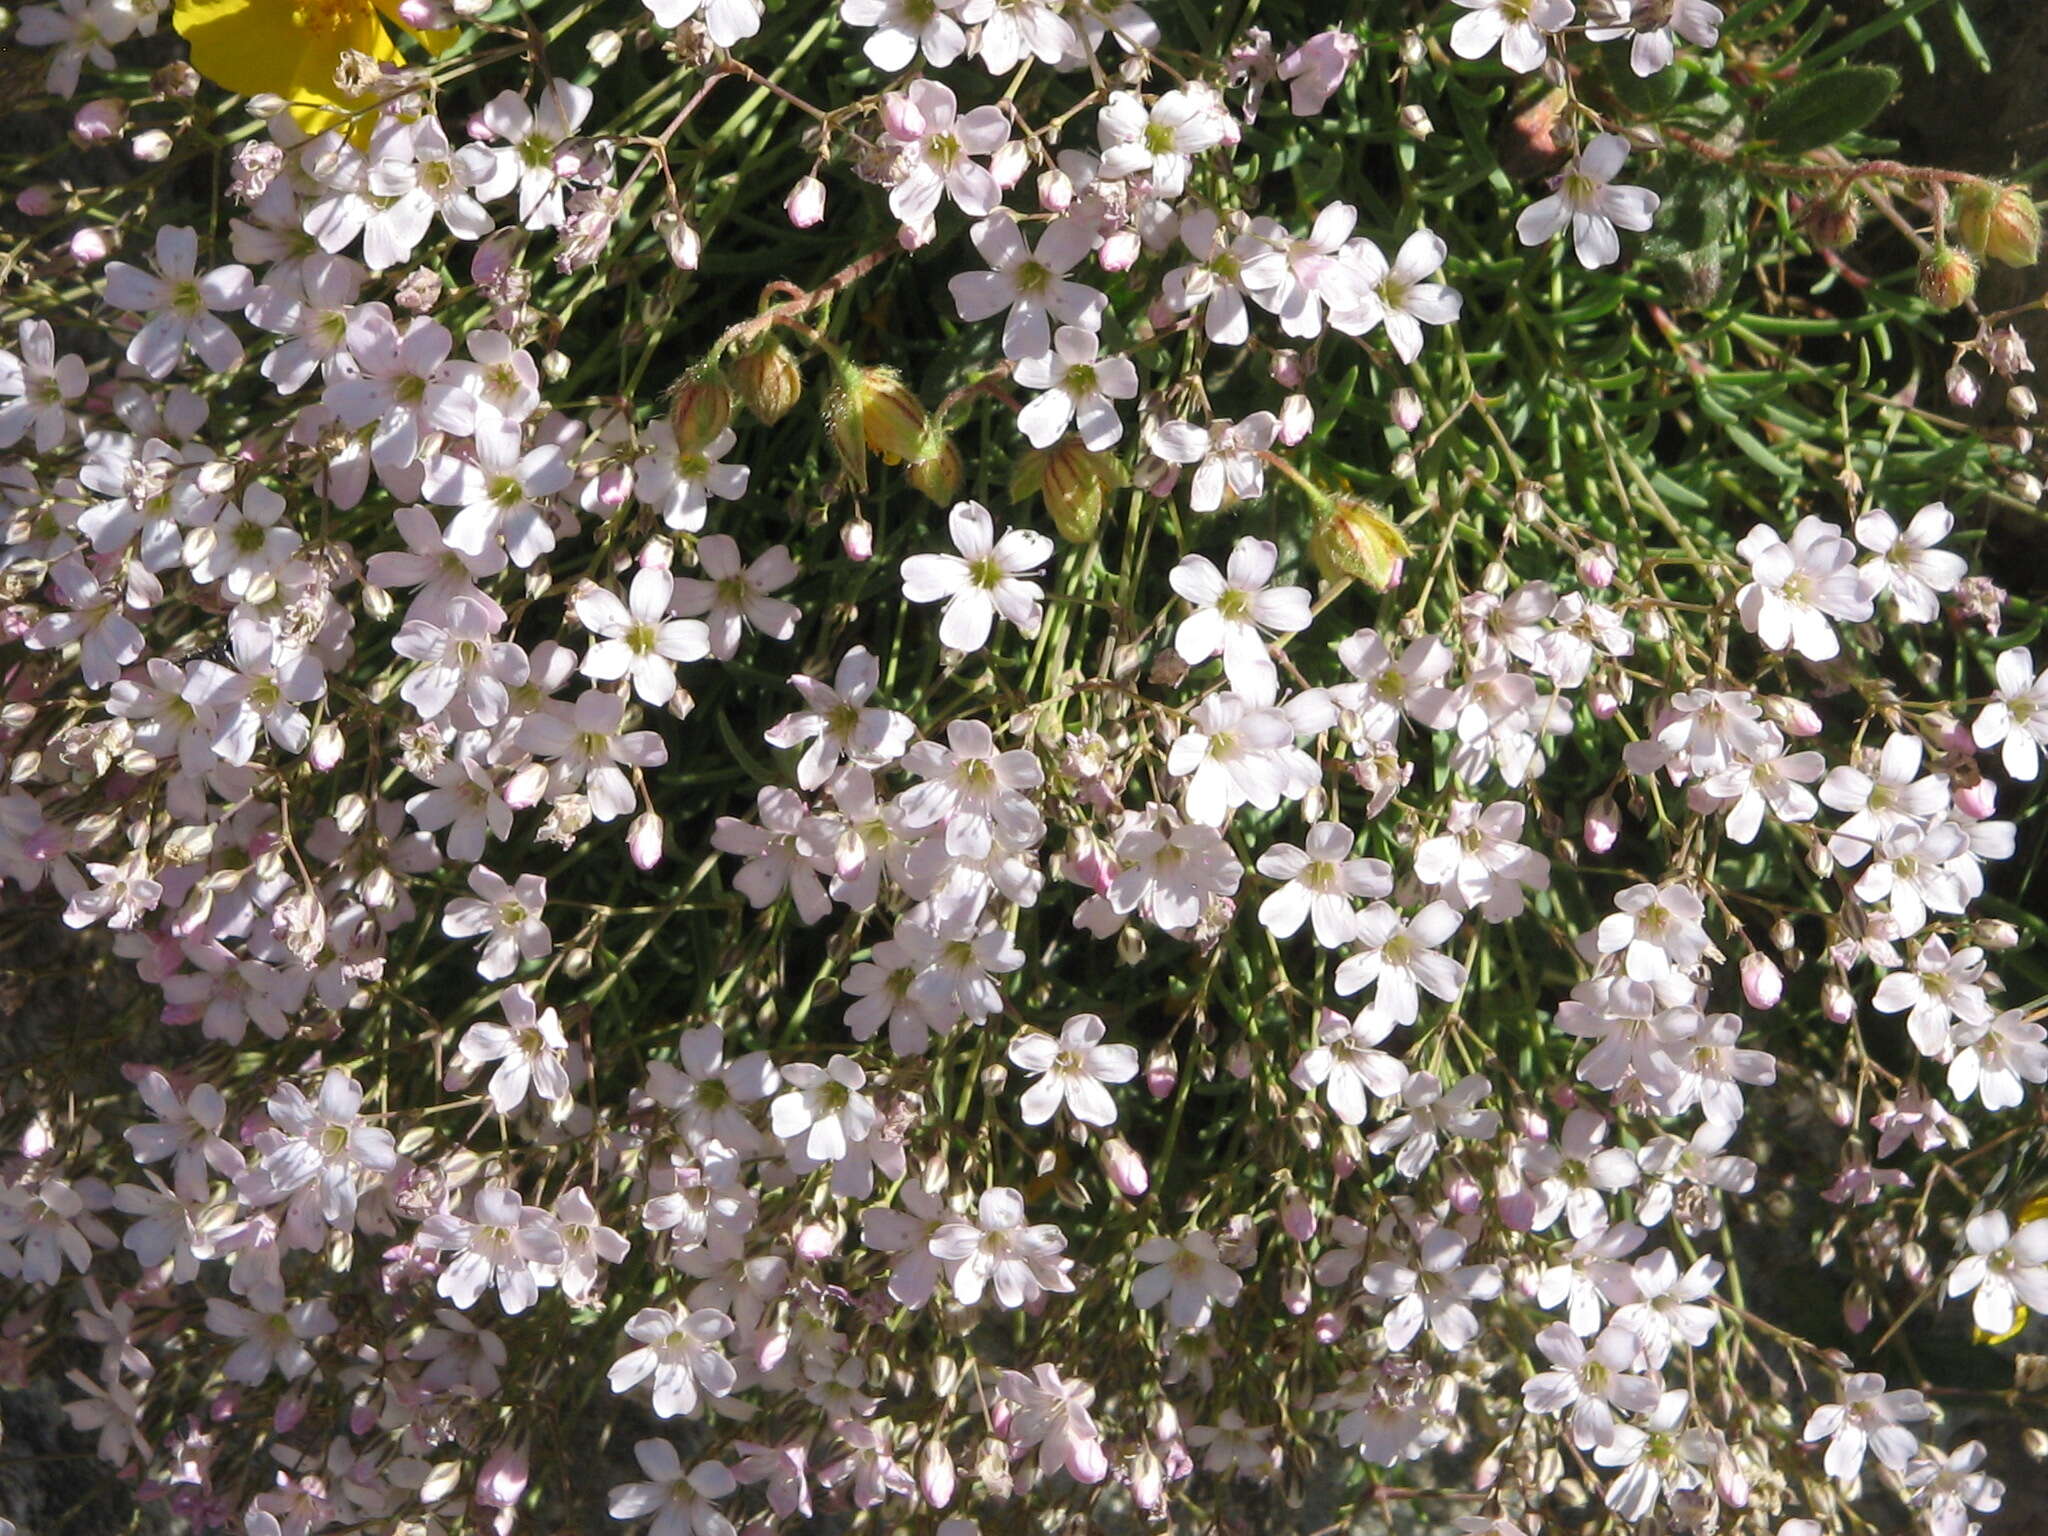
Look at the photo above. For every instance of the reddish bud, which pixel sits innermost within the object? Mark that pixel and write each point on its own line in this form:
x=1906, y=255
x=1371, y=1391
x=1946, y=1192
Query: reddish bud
x=1603, y=825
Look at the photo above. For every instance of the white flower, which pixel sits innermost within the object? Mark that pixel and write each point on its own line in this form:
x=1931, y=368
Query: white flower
x=1322, y=883
x=1479, y=863
x=501, y=495
x=1589, y=1382
x=1656, y=930
x=1012, y=30
x=1071, y=1071
x=1519, y=27
x=839, y=723
x=1894, y=797
x=779, y=857
x=679, y=1501
x=824, y=1106
x=526, y=161
x=508, y=917
x=1235, y=752
x=1651, y=25
x=1993, y=1059
x=1907, y=564
x=1231, y=610
x=1399, y=297
x=45, y=384
x=1078, y=386
x=998, y=1251
x=1429, y=1113
x=988, y=577
x=320, y=1146
x=1400, y=955
x=638, y=638
x=1189, y=1275
x=1797, y=587
x=2017, y=714
x=272, y=1336
x=1053, y=1415
x=587, y=744
x=678, y=484
x=1593, y=207
x=1231, y=262
x=679, y=1349
x=1868, y=1418
x=726, y=22
x=736, y=598
x=2005, y=1268
x=529, y=1048
x=179, y=302
x=903, y=28
x=1434, y=1291
x=1347, y=1063
x=1157, y=143
x=507, y=1245
x=936, y=147
x=1030, y=284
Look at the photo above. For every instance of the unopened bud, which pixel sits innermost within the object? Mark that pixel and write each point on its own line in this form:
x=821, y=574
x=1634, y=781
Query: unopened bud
x=89, y=247
x=1355, y=538
x=1405, y=407
x=1055, y=191
x=643, y=840
x=857, y=539
x=1832, y=222
x=768, y=381
x=1837, y=1002
x=1603, y=825
x=1836, y=1104
x=1996, y=933
x=1762, y=982
x=1162, y=1072
x=1298, y=419
x=605, y=47
x=1287, y=369
x=1297, y=1218
x=699, y=410
x=2003, y=223
x=150, y=146
x=501, y=1483
x=1948, y=277
x=2020, y=401
x=805, y=204
x=1125, y=1168
x=1415, y=121
x=935, y=1475
x=937, y=472
x=1913, y=1263
x=1963, y=387
x=1075, y=482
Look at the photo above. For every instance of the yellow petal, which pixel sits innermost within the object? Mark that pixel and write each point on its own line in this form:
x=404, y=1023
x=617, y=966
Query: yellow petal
x=287, y=48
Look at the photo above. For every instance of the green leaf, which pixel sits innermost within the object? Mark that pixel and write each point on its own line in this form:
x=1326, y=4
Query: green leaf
x=1819, y=109
x=1646, y=96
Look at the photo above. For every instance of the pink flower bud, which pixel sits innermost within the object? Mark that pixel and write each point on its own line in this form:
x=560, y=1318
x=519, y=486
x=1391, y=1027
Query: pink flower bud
x=1606, y=704
x=1009, y=163
x=502, y=1481
x=1286, y=369
x=1162, y=1072
x=1978, y=801
x=1119, y=252
x=900, y=117
x=1963, y=388
x=614, y=486
x=857, y=539
x=1343, y=1165
x=289, y=1414
x=477, y=129
x=37, y=202
x=150, y=146
x=91, y=246
x=1596, y=567
x=99, y=122
x=1126, y=1169
x=1297, y=419
x=935, y=1476
x=1148, y=1482
x=1603, y=825
x=1762, y=982
x=1087, y=1462
x=1294, y=1291
x=1856, y=1309
x=362, y=1418
x=524, y=789
x=1837, y=1003
x=1159, y=314
x=494, y=258
x=1464, y=1193
x=1800, y=718
x=1237, y=1061
x=643, y=840
x=1913, y=1263
x=805, y=204
x=816, y=1242
x=1329, y=1327
x=1055, y=191
x=326, y=747
x=1406, y=409
x=1297, y=1218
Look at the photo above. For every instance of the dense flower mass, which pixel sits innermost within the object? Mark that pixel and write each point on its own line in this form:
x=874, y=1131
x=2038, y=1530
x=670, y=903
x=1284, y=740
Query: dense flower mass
x=926, y=763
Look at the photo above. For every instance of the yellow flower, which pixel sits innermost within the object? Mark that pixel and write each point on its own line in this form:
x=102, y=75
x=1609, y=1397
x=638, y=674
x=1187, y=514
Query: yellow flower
x=291, y=48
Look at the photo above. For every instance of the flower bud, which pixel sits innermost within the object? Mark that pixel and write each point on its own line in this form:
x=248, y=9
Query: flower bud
x=1162, y=1072
x=1125, y=1168
x=937, y=472
x=1837, y=1002
x=1963, y=388
x=1009, y=163
x=700, y=409
x=857, y=539
x=2003, y=223
x=605, y=47
x=1298, y=419
x=99, y=122
x=1832, y=222
x=1415, y=121
x=873, y=411
x=1464, y=1193
x=1120, y=253
x=150, y=146
x=1055, y=191
x=935, y=1476
x=36, y=202
x=2020, y=401
x=767, y=380
x=501, y=1482
x=1762, y=982
x=176, y=81
x=91, y=246
x=643, y=840
x=1148, y=1482
x=1948, y=277
x=326, y=748
x=1355, y=538
x=805, y=204
x=1405, y=407
x=1287, y=369
x=1597, y=566
x=1995, y=933
x=816, y=1241
x=1603, y=825
x=1075, y=482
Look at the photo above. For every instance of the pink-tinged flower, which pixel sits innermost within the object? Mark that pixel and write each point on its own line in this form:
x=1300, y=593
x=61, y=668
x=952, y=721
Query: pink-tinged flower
x=784, y=1468
x=638, y=639
x=1230, y=611
x=1013, y=30
x=501, y=496
x=1907, y=563
x=679, y=1349
x=1892, y=798
x=1940, y=989
x=681, y=1502
x=123, y=894
x=1519, y=28
x=1189, y=1275
x=1323, y=884
x=48, y=1218
x=1657, y=930
x=403, y=384
x=779, y=858
x=1052, y=1414
x=187, y=1130
x=1994, y=1058
x=1231, y=262
x=735, y=597
x=527, y=160
x=2017, y=715
x=1588, y=1382
x=271, y=1336
x=1867, y=1419
x=587, y=1246
x=506, y=1244
x=2005, y=1268
x=1429, y=1113
x=1316, y=68
x=1662, y=1304
x=1766, y=778
x=1071, y=1071
x=1078, y=386
x=43, y=386
x=318, y=1150
x=1435, y=1291
x=465, y=672
x=1029, y=285
x=1401, y=956
x=528, y=1047
x=1478, y=861
x=1399, y=296
x=1652, y=28
x=1347, y=1063
x=679, y=483
x=824, y=1106
x=1797, y=587
x=1658, y=1456
x=997, y=1251
x=988, y=577
x=180, y=303
x=1235, y=752
x=839, y=723
x=936, y=146
x=904, y=28
x=1945, y=1487
x=1594, y=208
x=588, y=745
x=507, y=917
x=1158, y=142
